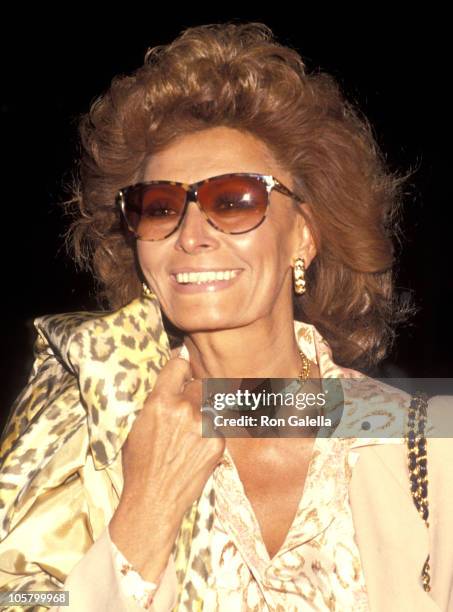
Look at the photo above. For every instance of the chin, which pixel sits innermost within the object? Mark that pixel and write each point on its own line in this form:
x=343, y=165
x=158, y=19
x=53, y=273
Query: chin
x=202, y=323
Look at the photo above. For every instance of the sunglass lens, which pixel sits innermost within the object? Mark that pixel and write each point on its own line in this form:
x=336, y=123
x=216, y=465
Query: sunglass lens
x=153, y=211
x=234, y=204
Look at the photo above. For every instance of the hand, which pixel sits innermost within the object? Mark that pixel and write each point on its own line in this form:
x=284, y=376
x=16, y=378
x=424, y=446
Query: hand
x=166, y=464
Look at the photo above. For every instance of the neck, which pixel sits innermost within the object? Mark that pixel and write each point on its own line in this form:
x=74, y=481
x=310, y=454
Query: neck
x=260, y=350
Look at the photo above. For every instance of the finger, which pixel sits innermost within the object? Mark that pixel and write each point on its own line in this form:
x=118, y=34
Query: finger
x=193, y=392
x=174, y=375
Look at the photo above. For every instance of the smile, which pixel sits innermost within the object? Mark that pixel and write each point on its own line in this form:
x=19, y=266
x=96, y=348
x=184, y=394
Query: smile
x=204, y=277
x=209, y=280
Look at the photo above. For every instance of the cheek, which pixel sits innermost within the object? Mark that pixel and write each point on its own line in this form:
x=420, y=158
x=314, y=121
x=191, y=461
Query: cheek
x=266, y=255
x=143, y=253
x=272, y=242
x=149, y=258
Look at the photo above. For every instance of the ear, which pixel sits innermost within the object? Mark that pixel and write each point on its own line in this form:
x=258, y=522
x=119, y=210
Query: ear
x=305, y=244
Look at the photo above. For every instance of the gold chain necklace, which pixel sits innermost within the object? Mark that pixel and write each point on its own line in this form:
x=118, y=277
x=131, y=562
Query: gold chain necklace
x=305, y=367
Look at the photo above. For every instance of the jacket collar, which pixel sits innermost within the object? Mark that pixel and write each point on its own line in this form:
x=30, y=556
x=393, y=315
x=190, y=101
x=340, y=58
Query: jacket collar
x=116, y=356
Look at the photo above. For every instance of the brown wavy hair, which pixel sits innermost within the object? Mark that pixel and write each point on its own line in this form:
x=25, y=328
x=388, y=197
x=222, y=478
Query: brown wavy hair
x=238, y=75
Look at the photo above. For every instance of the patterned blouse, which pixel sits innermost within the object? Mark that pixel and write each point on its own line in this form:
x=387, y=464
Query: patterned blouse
x=318, y=565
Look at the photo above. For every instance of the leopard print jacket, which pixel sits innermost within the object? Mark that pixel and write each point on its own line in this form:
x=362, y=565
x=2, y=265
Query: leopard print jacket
x=60, y=465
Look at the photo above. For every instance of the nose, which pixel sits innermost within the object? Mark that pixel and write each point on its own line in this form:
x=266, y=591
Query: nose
x=195, y=232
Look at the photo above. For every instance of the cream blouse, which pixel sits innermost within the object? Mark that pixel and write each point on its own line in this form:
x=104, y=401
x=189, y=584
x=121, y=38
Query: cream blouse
x=318, y=565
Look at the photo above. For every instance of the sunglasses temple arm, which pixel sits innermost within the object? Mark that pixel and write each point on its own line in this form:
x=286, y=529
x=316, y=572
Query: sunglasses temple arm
x=280, y=187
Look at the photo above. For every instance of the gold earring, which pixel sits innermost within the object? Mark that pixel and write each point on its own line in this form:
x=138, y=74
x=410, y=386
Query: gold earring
x=147, y=291
x=299, y=276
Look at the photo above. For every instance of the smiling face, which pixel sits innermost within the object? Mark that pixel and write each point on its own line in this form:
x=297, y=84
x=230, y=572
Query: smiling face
x=262, y=258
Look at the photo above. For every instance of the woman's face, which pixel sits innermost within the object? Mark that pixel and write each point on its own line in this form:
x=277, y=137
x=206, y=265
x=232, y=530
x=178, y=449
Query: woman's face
x=264, y=255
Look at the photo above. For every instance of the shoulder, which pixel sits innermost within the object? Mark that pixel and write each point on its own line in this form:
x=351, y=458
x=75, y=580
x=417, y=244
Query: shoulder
x=440, y=416
x=439, y=434
x=393, y=454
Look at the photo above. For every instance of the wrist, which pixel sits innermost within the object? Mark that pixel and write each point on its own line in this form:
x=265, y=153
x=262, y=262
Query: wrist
x=148, y=561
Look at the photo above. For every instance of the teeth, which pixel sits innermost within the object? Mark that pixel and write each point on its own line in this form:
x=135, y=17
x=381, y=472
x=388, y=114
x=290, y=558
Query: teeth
x=205, y=277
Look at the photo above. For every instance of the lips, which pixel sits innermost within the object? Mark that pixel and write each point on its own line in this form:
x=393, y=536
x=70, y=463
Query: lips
x=208, y=286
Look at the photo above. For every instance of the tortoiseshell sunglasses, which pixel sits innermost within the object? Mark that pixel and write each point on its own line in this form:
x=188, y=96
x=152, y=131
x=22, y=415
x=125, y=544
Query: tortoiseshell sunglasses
x=233, y=203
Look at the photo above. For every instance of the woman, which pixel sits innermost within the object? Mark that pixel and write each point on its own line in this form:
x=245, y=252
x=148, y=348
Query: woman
x=251, y=237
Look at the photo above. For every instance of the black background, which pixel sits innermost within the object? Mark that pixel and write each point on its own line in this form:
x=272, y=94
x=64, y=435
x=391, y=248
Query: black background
x=396, y=68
